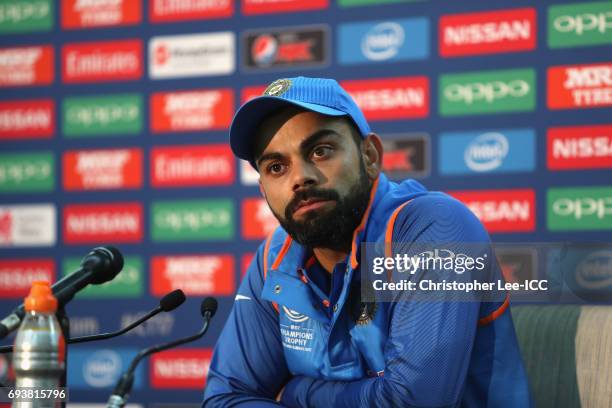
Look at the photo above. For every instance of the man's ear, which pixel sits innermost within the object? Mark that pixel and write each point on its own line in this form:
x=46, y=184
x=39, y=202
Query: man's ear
x=372, y=153
x=261, y=190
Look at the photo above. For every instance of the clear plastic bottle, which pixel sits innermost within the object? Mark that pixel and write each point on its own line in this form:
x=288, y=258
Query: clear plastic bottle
x=38, y=356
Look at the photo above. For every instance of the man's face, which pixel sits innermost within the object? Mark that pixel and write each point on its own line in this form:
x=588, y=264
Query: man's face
x=313, y=176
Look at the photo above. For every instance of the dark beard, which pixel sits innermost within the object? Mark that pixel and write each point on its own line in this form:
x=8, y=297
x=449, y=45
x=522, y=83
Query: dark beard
x=332, y=229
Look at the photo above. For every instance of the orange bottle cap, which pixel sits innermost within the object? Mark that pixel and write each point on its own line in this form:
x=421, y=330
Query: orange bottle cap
x=41, y=298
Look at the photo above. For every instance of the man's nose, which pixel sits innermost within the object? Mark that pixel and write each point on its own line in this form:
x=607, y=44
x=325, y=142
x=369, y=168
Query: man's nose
x=303, y=175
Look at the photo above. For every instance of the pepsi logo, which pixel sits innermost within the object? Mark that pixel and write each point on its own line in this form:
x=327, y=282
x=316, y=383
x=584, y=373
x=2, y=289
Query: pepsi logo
x=264, y=49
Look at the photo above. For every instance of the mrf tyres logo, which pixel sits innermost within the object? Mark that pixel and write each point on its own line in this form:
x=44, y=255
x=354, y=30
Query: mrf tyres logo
x=102, y=169
x=99, y=13
x=288, y=48
x=192, y=55
x=488, y=33
x=197, y=109
x=580, y=24
x=487, y=92
x=195, y=274
x=580, y=86
x=581, y=208
x=20, y=66
x=579, y=147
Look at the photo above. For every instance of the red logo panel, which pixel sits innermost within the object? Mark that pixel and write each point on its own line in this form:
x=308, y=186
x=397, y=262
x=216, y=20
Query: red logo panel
x=165, y=11
x=194, y=274
x=501, y=210
x=20, y=66
x=245, y=262
x=391, y=98
x=89, y=223
x=17, y=275
x=32, y=119
x=100, y=13
x=102, y=61
x=203, y=109
x=180, y=166
x=487, y=33
x=102, y=169
x=251, y=92
x=186, y=369
x=580, y=147
x=250, y=7
x=258, y=221
x=580, y=86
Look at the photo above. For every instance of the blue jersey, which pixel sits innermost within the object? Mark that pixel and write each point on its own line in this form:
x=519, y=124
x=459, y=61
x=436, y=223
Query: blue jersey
x=295, y=326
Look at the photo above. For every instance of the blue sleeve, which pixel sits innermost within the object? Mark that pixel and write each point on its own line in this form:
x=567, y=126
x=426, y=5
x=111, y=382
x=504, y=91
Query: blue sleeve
x=248, y=367
x=429, y=344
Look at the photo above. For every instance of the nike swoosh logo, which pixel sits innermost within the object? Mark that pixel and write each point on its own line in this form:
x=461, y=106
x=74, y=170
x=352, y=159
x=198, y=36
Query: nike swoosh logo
x=242, y=297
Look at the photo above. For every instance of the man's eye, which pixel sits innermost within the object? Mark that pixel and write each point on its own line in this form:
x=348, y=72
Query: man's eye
x=275, y=168
x=321, y=151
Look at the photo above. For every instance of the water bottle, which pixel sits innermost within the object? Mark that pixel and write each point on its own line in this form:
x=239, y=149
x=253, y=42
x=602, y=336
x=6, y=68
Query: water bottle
x=38, y=356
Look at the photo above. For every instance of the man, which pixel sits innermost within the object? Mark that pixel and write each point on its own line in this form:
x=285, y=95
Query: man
x=298, y=332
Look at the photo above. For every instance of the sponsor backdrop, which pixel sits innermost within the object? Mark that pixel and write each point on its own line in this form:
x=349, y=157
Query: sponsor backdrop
x=113, y=130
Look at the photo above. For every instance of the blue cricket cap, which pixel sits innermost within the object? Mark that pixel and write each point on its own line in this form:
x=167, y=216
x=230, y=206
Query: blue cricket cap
x=320, y=95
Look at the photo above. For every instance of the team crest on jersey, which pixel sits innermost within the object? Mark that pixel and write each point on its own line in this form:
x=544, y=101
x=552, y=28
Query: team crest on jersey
x=278, y=87
x=294, y=316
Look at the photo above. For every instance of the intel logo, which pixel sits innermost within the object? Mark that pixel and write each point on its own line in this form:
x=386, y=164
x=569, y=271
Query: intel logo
x=595, y=271
x=102, y=368
x=487, y=152
x=382, y=41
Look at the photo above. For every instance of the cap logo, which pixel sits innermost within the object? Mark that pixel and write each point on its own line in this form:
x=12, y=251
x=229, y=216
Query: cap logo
x=278, y=87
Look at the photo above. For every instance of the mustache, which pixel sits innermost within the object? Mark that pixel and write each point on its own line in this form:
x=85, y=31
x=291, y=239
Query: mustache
x=311, y=193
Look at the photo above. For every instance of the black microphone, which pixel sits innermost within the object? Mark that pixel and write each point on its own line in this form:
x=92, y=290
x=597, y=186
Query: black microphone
x=166, y=304
x=120, y=395
x=100, y=265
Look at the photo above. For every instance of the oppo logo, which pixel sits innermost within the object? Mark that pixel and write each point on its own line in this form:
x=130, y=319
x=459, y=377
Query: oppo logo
x=595, y=271
x=486, y=152
x=582, y=23
x=488, y=92
x=583, y=207
x=383, y=41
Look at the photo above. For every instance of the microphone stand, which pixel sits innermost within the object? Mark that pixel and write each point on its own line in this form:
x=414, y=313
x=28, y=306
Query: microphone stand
x=121, y=392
